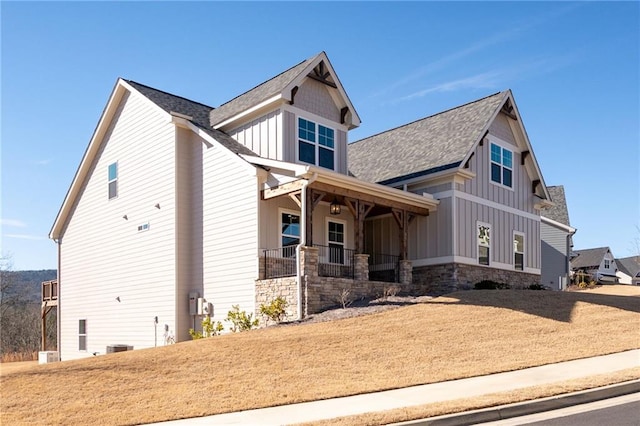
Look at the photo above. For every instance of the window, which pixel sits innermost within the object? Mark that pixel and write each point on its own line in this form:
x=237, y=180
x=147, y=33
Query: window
x=607, y=264
x=501, y=165
x=82, y=335
x=290, y=232
x=518, y=252
x=143, y=227
x=484, y=243
x=316, y=144
x=336, y=242
x=113, y=180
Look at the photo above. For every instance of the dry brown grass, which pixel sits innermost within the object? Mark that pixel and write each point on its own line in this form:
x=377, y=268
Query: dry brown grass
x=465, y=334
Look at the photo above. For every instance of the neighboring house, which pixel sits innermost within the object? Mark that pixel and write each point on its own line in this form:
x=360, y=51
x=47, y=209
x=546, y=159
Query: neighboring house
x=179, y=210
x=629, y=270
x=557, y=242
x=597, y=264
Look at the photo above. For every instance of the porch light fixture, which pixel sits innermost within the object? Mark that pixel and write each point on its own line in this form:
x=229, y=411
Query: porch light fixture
x=334, y=207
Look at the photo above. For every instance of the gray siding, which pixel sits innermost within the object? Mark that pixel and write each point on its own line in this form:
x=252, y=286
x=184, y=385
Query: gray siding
x=503, y=224
x=289, y=137
x=554, y=255
x=520, y=196
x=314, y=97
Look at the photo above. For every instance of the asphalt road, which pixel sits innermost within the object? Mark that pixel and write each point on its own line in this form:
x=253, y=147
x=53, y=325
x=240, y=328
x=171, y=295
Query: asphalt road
x=620, y=411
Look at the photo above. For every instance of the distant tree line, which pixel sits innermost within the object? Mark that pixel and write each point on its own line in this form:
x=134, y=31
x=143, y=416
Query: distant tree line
x=20, y=313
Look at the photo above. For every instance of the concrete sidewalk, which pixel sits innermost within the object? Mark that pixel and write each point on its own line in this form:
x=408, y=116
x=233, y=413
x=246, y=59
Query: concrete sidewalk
x=424, y=394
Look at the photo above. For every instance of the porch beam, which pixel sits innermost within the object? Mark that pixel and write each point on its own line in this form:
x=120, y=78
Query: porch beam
x=402, y=219
x=283, y=189
x=296, y=197
x=350, y=193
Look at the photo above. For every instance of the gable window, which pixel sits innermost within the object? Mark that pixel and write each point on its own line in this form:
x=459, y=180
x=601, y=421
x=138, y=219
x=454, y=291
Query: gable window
x=113, y=180
x=82, y=335
x=316, y=144
x=518, y=251
x=501, y=165
x=290, y=233
x=484, y=243
x=336, y=242
x=607, y=264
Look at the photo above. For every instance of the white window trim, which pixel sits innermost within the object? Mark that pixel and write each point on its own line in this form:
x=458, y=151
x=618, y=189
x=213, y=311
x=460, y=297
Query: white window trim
x=326, y=234
x=316, y=144
x=282, y=211
x=478, y=225
x=524, y=250
x=508, y=147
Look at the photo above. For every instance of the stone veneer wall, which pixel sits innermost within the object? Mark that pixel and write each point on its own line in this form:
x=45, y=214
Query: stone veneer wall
x=445, y=278
x=268, y=290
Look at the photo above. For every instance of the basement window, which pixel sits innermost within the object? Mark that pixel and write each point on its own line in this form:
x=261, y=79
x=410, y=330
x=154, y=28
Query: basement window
x=518, y=251
x=82, y=335
x=484, y=243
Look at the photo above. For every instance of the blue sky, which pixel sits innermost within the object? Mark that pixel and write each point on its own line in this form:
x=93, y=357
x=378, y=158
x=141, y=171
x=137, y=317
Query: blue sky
x=573, y=69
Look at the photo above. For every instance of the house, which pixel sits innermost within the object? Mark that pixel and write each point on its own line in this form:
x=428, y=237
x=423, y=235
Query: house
x=179, y=210
x=628, y=270
x=597, y=264
x=557, y=242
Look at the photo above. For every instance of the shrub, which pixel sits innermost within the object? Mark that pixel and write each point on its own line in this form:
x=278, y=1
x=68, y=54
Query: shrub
x=536, y=287
x=490, y=285
x=276, y=310
x=344, y=297
x=209, y=329
x=391, y=291
x=239, y=320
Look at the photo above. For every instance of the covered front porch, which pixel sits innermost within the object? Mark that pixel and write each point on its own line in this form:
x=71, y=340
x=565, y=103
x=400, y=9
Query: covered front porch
x=314, y=249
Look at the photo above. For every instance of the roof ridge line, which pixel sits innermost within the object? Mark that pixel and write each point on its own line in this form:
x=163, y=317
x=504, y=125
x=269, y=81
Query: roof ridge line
x=167, y=93
x=266, y=81
x=424, y=118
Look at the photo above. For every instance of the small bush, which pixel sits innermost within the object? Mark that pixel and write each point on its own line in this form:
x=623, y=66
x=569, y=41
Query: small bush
x=209, y=329
x=491, y=285
x=536, y=287
x=344, y=297
x=276, y=310
x=239, y=320
x=391, y=291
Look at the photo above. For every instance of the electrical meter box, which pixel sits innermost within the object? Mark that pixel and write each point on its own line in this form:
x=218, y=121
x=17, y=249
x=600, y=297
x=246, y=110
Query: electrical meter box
x=193, y=303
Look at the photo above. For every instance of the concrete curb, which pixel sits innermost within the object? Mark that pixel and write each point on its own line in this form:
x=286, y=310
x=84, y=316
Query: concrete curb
x=530, y=407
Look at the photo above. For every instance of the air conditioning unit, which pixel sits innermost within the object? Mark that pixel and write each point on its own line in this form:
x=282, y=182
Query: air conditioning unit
x=118, y=348
x=45, y=357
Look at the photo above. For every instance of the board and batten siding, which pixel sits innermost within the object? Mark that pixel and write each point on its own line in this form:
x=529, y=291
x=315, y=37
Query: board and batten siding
x=262, y=135
x=503, y=224
x=230, y=231
x=117, y=278
x=520, y=195
x=554, y=255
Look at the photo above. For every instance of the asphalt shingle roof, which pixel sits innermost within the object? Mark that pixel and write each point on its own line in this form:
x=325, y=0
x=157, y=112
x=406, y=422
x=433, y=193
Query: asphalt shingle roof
x=258, y=94
x=198, y=111
x=434, y=143
x=559, y=212
x=589, y=258
x=629, y=265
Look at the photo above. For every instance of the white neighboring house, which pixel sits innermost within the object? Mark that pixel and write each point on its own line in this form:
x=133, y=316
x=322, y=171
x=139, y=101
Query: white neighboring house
x=177, y=205
x=629, y=270
x=597, y=263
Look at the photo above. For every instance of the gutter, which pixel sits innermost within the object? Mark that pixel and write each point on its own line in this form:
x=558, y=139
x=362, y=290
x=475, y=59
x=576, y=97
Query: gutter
x=303, y=238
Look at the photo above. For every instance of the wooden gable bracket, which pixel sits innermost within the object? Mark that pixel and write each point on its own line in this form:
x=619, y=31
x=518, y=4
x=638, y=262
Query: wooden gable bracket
x=402, y=218
x=466, y=165
x=523, y=157
x=482, y=138
x=534, y=185
x=293, y=94
x=320, y=74
x=343, y=114
x=507, y=109
x=297, y=198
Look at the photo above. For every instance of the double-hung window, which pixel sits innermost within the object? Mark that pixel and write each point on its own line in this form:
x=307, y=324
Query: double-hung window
x=501, y=165
x=484, y=243
x=290, y=233
x=113, y=180
x=316, y=144
x=518, y=251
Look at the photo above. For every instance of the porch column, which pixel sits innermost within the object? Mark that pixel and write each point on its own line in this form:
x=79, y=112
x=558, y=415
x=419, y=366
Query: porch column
x=359, y=209
x=309, y=261
x=406, y=273
x=362, y=267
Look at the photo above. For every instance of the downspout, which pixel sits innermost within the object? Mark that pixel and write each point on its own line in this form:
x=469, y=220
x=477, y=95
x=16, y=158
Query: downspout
x=58, y=310
x=303, y=238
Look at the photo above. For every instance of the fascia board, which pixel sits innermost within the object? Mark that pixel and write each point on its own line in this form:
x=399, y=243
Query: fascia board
x=87, y=159
x=557, y=224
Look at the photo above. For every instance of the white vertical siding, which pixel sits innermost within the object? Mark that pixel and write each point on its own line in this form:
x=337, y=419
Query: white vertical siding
x=104, y=257
x=262, y=135
x=230, y=231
